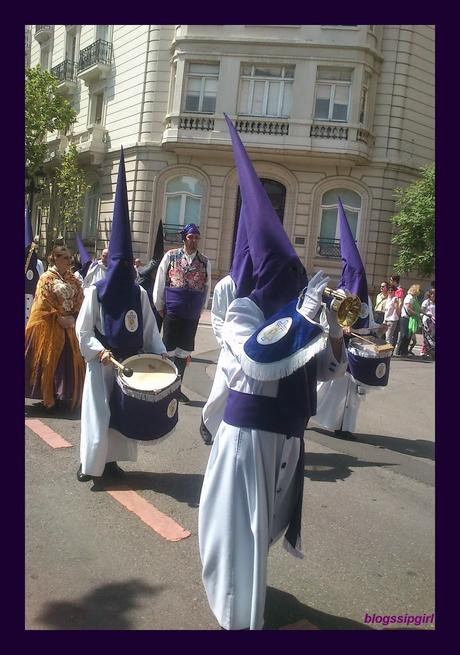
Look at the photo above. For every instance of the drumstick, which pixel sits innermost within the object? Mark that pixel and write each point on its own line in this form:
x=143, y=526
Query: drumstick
x=124, y=369
x=379, y=347
x=358, y=335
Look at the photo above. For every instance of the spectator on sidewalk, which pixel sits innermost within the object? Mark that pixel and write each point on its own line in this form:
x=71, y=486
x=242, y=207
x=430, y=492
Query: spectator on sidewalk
x=379, y=307
x=399, y=293
x=391, y=316
x=428, y=313
x=410, y=308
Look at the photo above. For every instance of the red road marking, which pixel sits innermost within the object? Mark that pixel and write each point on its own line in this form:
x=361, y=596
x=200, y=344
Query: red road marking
x=48, y=435
x=164, y=525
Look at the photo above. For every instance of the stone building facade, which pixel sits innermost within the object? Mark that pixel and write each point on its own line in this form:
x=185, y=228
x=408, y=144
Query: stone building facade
x=323, y=110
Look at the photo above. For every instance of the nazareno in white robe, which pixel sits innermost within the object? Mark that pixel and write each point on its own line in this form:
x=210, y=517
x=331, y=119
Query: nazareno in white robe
x=339, y=400
x=100, y=444
x=29, y=298
x=248, y=492
x=213, y=411
x=97, y=271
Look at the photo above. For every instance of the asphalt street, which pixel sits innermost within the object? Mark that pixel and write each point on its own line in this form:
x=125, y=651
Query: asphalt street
x=368, y=521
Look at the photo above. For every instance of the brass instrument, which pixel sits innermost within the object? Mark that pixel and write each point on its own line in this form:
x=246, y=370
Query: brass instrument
x=33, y=247
x=347, y=306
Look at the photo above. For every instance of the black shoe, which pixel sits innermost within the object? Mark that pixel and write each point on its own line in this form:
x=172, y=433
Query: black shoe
x=112, y=470
x=82, y=477
x=182, y=398
x=345, y=434
x=205, y=434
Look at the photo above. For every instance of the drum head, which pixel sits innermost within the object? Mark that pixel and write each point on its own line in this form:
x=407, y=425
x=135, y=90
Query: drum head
x=151, y=373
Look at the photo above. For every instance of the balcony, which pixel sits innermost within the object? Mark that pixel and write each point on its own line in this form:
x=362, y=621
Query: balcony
x=91, y=144
x=350, y=141
x=66, y=74
x=344, y=141
x=95, y=62
x=43, y=32
x=328, y=248
x=57, y=144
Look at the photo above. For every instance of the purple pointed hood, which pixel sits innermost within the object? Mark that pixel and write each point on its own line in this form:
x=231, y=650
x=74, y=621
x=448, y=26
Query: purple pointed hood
x=159, y=248
x=85, y=259
x=241, y=268
x=353, y=274
x=118, y=292
x=279, y=274
x=147, y=274
x=31, y=274
x=29, y=237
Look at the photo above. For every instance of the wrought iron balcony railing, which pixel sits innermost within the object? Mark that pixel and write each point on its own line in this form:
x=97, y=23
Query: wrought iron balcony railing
x=99, y=52
x=328, y=247
x=66, y=70
x=329, y=131
x=262, y=126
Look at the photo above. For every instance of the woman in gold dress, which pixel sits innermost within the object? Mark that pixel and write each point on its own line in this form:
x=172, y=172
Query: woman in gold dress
x=55, y=369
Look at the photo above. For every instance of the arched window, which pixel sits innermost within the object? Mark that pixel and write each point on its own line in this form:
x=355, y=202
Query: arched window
x=329, y=237
x=277, y=194
x=183, y=201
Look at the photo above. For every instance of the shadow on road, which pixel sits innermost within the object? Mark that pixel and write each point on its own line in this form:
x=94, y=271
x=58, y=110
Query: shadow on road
x=38, y=411
x=414, y=447
x=184, y=487
x=104, y=608
x=331, y=467
x=196, y=403
x=283, y=610
x=200, y=360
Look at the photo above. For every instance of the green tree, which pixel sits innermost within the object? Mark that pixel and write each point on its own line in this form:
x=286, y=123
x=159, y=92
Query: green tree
x=71, y=185
x=45, y=111
x=415, y=232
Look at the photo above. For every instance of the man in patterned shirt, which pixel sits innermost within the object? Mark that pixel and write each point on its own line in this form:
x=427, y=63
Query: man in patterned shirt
x=180, y=294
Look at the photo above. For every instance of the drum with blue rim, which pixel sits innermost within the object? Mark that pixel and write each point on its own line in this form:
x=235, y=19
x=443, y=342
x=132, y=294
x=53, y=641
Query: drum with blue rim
x=145, y=405
x=369, y=361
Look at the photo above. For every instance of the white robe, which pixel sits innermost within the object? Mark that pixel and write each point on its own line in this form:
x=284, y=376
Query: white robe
x=29, y=298
x=100, y=444
x=339, y=400
x=338, y=403
x=96, y=272
x=213, y=411
x=248, y=492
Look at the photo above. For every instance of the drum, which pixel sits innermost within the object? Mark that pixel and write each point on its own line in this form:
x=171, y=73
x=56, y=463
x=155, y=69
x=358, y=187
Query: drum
x=369, y=363
x=145, y=405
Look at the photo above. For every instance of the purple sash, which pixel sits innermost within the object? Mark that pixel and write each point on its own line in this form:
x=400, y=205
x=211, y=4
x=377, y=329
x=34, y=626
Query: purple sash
x=184, y=303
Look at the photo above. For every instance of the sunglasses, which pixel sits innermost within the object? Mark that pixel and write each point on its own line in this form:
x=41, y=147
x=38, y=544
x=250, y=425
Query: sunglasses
x=62, y=257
